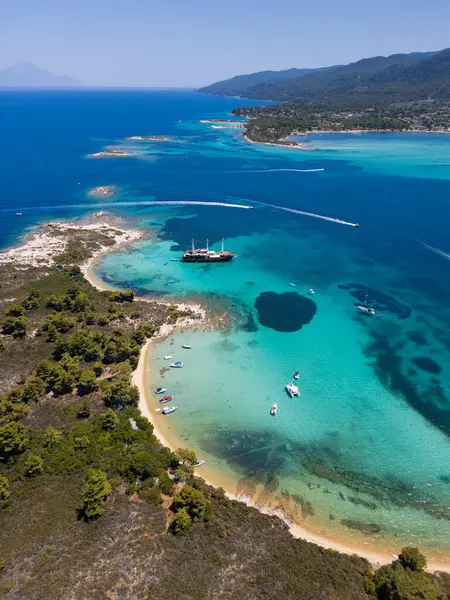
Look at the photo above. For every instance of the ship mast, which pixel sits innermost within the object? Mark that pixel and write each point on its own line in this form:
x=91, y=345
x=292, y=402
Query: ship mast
x=207, y=245
x=222, y=244
x=193, y=247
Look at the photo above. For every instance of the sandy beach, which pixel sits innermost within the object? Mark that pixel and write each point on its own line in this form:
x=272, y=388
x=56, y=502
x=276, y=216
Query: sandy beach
x=142, y=379
x=142, y=376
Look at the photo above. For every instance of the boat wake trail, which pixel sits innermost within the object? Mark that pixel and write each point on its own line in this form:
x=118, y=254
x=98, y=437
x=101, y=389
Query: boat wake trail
x=278, y=170
x=445, y=255
x=138, y=203
x=306, y=214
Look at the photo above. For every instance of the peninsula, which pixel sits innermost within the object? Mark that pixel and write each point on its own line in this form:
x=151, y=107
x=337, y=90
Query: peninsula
x=402, y=92
x=112, y=500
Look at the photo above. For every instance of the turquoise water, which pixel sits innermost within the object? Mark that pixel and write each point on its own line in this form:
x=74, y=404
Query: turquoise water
x=368, y=440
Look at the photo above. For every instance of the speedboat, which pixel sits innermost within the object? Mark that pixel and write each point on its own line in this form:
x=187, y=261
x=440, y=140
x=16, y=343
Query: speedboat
x=366, y=310
x=168, y=357
x=292, y=390
x=274, y=410
x=199, y=463
x=293, y=284
x=161, y=390
x=176, y=365
x=296, y=374
x=19, y=214
x=311, y=292
x=166, y=399
x=186, y=346
x=169, y=409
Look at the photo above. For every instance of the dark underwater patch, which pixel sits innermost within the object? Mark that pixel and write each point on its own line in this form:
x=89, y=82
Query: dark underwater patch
x=427, y=364
x=417, y=337
x=430, y=402
x=380, y=301
x=284, y=312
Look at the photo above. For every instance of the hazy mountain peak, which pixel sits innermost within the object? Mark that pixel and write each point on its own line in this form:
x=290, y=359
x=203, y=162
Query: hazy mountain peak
x=25, y=74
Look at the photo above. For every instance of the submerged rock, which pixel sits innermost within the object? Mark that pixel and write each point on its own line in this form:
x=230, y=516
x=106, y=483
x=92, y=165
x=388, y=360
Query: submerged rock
x=284, y=312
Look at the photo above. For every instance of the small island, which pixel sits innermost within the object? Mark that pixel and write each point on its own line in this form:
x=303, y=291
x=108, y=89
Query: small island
x=102, y=191
x=110, y=152
x=149, y=138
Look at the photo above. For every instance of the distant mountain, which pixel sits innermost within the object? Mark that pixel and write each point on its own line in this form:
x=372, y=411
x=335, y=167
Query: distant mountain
x=27, y=75
x=397, y=77
x=240, y=83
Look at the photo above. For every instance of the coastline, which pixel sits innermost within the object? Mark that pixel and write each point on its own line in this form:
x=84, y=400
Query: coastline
x=36, y=250
x=302, y=145
x=141, y=377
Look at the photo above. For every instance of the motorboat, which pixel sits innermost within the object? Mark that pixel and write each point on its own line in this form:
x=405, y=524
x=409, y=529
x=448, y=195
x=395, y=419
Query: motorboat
x=168, y=357
x=274, y=410
x=311, y=292
x=186, y=346
x=158, y=410
x=199, y=463
x=169, y=409
x=177, y=364
x=292, y=390
x=366, y=310
x=166, y=399
x=292, y=284
x=296, y=374
x=161, y=390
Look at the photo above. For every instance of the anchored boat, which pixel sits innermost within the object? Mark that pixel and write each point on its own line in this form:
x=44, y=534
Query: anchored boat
x=169, y=409
x=177, y=364
x=166, y=399
x=292, y=390
x=161, y=390
x=274, y=410
x=207, y=255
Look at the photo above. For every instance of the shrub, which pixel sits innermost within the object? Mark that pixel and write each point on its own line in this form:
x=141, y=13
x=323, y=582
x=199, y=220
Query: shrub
x=84, y=410
x=15, y=326
x=109, y=420
x=15, y=310
x=403, y=584
x=33, y=466
x=411, y=558
x=181, y=523
x=121, y=393
x=96, y=490
x=52, y=438
x=32, y=391
x=123, y=296
x=193, y=501
x=87, y=382
x=12, y=439
x=98, y=368
x=165, y=483
x=4, y=492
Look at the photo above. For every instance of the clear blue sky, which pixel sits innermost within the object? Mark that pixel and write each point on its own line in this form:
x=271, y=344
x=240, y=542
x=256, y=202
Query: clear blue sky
x=195, y=42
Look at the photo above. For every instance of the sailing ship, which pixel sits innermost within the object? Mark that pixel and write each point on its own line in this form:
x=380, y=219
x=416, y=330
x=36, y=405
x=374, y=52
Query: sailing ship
x=207, y=255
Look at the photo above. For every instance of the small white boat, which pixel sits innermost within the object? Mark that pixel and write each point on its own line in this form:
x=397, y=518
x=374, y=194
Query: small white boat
x=169, y=409
x=19, y=214
x=186, y=346
x=311, y=292
x=293, y=284
x=292, y=390
x=176, y=365
x=158, y=410
x=199, y=463
x=168, y=357
x=366, y=310
x=274, y=410
x=161, y=390
x=296, y=374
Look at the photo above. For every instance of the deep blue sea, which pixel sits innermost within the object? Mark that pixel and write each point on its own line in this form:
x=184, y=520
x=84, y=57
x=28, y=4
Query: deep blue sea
x=366, y=446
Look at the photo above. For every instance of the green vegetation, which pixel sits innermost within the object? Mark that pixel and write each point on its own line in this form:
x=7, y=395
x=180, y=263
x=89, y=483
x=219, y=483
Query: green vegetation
x=279, y=121
x=96, y=490
x=396, y=78
x=4, y=492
